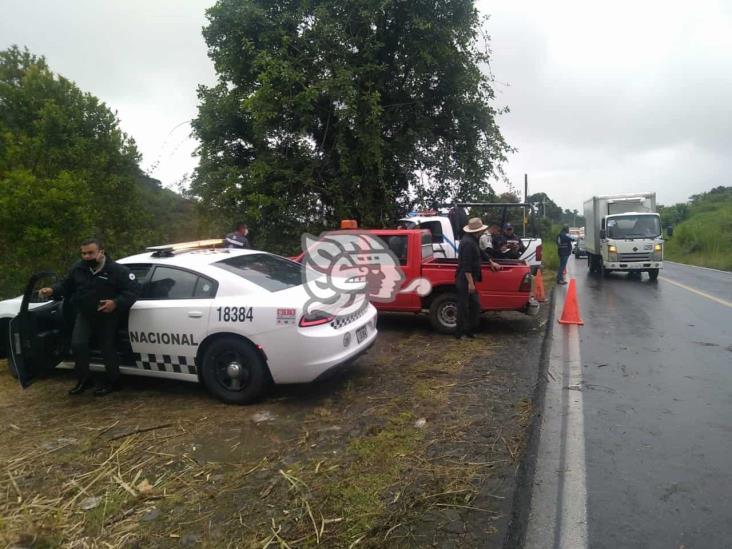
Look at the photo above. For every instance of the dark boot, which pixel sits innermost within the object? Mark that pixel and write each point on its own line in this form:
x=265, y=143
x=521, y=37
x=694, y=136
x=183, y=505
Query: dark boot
x=82, y=386
x=106, y=388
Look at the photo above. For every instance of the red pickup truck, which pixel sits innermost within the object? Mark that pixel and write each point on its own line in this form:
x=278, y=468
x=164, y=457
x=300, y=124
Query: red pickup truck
x=509, y=289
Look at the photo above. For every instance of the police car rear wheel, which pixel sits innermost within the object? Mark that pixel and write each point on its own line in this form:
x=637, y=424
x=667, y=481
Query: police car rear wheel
x=233, y=371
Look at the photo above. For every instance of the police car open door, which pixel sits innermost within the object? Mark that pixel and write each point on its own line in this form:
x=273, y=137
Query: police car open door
x=38, y=334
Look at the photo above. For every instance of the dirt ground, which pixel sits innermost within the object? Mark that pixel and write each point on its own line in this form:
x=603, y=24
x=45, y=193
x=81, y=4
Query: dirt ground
x=417, y=445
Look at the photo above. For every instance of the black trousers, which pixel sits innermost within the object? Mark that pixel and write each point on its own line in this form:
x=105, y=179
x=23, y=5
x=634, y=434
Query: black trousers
x=104, y=327
x=468, y=307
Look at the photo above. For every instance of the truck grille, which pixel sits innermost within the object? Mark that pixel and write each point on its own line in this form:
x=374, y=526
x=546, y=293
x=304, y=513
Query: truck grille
x=635, y=257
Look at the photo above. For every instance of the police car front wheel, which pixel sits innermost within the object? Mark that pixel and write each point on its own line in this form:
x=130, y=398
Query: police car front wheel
x=233, y=371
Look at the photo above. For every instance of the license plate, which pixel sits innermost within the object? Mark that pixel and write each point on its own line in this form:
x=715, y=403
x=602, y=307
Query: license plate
x=361, y=334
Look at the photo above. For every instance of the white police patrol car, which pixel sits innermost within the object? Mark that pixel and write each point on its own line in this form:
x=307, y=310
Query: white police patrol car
x=232, y=319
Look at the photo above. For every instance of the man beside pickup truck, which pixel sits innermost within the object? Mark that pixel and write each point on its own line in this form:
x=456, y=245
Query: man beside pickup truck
x=466, y=277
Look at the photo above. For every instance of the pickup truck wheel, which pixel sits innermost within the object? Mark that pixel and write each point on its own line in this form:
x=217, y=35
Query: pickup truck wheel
x=443, y=313
x=233, y=371
x=653, y=274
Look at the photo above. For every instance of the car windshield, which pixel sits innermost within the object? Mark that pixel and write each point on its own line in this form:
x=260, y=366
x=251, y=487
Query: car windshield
x=633, y=226
x=270, y=272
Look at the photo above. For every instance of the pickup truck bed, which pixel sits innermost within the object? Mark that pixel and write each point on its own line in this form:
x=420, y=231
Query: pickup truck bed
x=506, y=290
x=445, y=243
x=499, y=290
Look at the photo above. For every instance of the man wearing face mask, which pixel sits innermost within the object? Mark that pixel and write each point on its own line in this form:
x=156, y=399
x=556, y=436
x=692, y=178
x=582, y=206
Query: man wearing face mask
x=100, y=290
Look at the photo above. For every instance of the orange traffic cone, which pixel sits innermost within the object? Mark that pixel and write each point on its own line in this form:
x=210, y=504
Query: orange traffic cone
x=539, y=287
x=570, y=314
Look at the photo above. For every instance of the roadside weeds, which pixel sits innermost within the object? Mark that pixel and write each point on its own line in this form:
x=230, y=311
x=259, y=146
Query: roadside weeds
x=419, y=443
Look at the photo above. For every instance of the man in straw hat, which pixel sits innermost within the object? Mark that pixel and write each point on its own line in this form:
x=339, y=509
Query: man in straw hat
x=466, y=277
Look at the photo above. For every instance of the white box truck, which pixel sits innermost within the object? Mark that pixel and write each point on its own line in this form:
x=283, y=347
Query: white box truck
x=623, y=233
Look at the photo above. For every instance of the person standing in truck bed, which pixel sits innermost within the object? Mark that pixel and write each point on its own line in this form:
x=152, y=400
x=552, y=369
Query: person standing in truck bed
x=515, y=247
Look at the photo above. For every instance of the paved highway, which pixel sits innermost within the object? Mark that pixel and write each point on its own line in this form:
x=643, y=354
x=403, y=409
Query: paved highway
x=636, y=442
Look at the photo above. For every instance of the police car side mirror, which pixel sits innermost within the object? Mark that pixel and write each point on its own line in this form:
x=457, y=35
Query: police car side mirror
x=603, y=234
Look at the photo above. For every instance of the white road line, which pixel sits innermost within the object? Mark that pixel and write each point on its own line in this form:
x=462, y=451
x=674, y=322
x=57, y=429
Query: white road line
x=573, y=532
x=697, y=267
x=697, y=292
x=558, y=516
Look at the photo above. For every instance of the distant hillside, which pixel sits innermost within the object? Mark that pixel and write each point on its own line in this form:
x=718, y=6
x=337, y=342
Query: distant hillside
x=702, y=232
x=67, y=172
x=169, y=217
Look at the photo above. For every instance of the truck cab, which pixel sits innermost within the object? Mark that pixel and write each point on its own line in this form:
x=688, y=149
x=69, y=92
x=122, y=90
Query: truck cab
x=444, y=243
x=632, y=243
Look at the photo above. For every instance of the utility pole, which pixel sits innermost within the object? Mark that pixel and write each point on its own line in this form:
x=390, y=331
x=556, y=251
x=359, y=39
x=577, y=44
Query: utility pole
x=526, y=198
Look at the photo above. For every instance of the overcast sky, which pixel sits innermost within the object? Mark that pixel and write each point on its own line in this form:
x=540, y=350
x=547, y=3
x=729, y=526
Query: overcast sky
x=605, y=97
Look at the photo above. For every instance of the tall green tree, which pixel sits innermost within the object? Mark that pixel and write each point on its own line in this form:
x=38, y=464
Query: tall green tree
x=546, y=207
x=326, y=109
x=67, y=171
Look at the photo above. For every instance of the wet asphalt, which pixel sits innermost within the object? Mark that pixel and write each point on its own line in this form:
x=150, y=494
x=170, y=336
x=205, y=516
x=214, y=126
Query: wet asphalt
x=657, y=369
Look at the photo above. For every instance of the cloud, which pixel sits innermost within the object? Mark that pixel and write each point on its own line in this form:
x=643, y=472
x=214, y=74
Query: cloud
x=143, y=59
x=604, y=98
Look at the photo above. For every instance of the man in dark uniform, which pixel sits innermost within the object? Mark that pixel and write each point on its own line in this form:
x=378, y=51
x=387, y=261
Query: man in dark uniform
x=238, y=239
x=515, y=245
x=101, y=291
x=467, y=276
x=564, y=249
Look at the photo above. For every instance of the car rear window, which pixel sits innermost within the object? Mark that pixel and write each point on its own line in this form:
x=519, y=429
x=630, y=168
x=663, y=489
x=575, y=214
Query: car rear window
x=270, y=272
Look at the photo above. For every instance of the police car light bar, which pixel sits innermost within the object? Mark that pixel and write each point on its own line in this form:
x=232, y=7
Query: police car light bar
x=170, y=249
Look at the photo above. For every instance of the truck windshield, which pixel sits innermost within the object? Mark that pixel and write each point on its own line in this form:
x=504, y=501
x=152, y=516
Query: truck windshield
x=633, y=226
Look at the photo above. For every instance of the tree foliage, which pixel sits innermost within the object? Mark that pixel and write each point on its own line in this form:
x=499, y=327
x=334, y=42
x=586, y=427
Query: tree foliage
x=702, y=232
x=330, y=109
x=67, y=171
x=546, y=207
